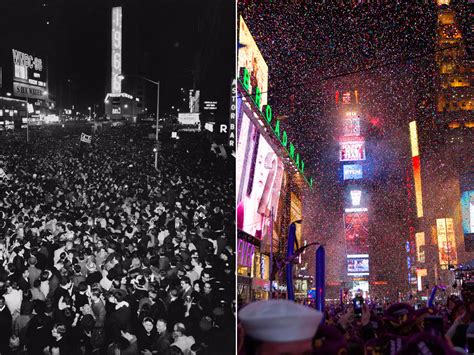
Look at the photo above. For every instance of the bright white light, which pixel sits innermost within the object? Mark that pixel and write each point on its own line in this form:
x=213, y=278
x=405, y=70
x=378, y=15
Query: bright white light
x=125, y=106
x=355, y=197
x=9, y=94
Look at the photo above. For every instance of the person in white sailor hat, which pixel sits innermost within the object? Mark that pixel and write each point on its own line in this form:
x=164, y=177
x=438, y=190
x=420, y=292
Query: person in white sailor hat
x=279, y=327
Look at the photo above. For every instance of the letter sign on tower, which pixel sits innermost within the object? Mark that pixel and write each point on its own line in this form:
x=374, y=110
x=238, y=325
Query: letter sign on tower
x=116, y=49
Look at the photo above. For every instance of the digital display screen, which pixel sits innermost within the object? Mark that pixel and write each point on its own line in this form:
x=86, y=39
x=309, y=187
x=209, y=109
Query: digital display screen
x=352, y=172
x=356, y=265
x=357, y=232
x=352, y=151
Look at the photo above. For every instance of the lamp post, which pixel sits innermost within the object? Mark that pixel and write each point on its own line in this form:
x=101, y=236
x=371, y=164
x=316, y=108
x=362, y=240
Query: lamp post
x=157, y=83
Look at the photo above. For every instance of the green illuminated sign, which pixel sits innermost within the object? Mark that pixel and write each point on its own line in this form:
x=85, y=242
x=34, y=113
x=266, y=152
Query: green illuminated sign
x=266, y=112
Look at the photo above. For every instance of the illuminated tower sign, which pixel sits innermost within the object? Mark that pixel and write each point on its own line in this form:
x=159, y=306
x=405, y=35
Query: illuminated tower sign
x=116, y=49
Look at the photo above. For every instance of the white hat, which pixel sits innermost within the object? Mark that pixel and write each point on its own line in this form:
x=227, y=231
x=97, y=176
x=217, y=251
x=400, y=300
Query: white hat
x=280, y=321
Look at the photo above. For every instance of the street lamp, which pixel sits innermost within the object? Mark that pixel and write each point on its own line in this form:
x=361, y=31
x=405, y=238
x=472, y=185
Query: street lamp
x=157, y=83
x=90, y=112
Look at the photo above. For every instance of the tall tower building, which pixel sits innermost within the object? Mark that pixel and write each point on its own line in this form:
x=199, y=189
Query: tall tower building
x=443, y=158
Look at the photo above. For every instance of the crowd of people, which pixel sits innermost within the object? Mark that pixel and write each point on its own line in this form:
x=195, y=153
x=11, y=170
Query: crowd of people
x=102, y=254
x=397, y=328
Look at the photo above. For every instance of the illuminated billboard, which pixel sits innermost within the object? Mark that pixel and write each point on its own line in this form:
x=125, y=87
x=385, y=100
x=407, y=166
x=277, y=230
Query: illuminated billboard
x=356, y=231
x=259, y=179
x=351, y=126
x=420, y=246
x=352, y=171
x=352, y=151
x=416, y=168
x=116, y=49
x=467, y=208
x=446, y=242
x=357, y=265
x=245, y=253
x=356, y=195
x=251, y=58
x=29, y=75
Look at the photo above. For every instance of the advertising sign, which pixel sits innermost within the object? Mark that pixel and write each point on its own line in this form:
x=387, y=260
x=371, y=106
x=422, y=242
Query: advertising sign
x=357, y=232
x=357, y=265
x=29, y=75
x=467, y=208
x=356, y=195
x=233, y=112
x=210, y=105
x=251, y=58
x=245, y=252
x=351, y=126
x=190, y=120
x=259, y=181
x=420, y=246
x=116, y=49
x=352, y=171
x=446, y=242
x=352, y=151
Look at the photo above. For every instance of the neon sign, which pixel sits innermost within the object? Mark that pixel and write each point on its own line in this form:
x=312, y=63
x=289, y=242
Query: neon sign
x=351, y=151
x=352, y=171
x=27, y=60
x=245, y=251
x=280, y=134
x=116, y=49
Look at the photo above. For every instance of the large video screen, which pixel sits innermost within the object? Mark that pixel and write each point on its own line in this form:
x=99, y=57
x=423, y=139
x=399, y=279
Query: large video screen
x=352, y=171
x=259, y=174
x=352, y=151
x=356, y=232
x=467, y=208
x=357, y=265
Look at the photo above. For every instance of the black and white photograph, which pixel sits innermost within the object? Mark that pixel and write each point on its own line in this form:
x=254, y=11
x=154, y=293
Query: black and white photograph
x=117, y=170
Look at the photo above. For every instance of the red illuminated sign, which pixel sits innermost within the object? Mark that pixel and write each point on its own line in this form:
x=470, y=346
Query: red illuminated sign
x=346, y=98
x=352, y=151
x=356, y=230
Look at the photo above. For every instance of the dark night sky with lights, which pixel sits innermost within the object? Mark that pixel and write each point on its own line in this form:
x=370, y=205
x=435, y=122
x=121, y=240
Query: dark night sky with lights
x=181, y=43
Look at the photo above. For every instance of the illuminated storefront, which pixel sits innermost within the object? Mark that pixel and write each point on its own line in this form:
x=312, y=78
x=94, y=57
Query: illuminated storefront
x=269, y=165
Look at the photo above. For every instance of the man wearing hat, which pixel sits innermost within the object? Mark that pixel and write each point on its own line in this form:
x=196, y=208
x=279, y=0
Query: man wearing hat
x=279, y=327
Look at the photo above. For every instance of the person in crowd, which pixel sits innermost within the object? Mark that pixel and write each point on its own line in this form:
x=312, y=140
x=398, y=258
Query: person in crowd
x=96, y=242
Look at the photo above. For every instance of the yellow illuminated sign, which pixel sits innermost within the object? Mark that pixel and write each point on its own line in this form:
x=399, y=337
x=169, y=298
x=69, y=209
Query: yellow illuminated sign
x=416, y=168
x=414, y=139
x=446, y=242
x=420, y=244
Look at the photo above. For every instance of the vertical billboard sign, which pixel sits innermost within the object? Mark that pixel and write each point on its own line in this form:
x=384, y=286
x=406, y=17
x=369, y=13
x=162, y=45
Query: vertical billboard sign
x=467, y=209
x=446, y=242
x=420, y=246
x=415, y=154
x=116, y=49
x=251, y=58
x=233, y=109
x=356, y=229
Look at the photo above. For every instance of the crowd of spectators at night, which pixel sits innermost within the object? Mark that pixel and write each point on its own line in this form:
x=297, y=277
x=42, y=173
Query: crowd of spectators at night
x=380, y=328
x=101, y=254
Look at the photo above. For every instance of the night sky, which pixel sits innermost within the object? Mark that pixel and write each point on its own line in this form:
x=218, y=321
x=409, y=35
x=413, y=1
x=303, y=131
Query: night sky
x=181, y=43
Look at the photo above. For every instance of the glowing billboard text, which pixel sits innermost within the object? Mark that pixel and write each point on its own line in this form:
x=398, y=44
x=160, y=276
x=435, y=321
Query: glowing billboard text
x=116, y=49
x=352, y=172
x=416, y=168
x=446, y=242
x=352, y=151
